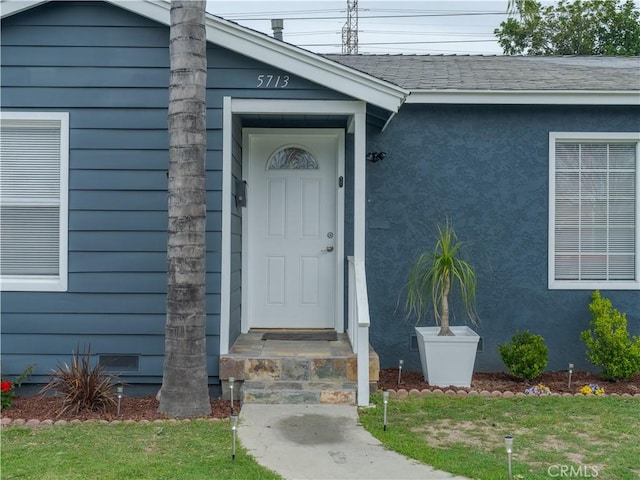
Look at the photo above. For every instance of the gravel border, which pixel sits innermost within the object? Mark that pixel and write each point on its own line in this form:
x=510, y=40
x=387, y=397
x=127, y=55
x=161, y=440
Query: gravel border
x=403, y=393
x=21, y=422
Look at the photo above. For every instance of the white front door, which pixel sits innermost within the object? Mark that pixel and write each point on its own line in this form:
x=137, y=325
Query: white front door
x=291, y=227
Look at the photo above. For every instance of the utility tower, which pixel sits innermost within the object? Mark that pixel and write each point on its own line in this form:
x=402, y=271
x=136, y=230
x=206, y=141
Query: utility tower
x=350, y=29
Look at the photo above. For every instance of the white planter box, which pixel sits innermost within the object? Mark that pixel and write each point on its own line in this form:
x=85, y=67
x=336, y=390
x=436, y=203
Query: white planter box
x=447, y=360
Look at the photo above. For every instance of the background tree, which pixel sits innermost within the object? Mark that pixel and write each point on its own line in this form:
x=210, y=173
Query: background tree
x=184, y=391
x=590, y=27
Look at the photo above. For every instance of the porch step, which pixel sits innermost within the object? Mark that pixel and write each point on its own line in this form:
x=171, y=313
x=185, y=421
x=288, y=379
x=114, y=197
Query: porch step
x=293, y=372
x=299, y=392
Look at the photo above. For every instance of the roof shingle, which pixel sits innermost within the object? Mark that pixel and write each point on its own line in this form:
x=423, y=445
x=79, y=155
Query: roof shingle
x=516, y=73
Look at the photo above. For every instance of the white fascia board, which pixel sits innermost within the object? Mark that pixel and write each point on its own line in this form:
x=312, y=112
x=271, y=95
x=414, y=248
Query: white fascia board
x=305, y=64
x=289, y=58
x=284, y=56
x=11, y=7
x=525, y=97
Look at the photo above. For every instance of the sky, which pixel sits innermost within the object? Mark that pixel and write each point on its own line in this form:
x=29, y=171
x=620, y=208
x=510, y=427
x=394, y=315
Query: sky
x=398, y=26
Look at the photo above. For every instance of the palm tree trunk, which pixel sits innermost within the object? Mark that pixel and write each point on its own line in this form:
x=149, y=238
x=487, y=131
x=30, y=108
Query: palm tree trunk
x=184, y=391
x=444, y=308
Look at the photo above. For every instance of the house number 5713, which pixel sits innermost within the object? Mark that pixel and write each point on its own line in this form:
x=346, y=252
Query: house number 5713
x=274, y=81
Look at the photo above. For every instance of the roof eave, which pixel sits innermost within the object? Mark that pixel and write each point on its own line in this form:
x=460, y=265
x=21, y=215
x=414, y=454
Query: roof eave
x=8, y=8
x=526, y=97
x=306, y=64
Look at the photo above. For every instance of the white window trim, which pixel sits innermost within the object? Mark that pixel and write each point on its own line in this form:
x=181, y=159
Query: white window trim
x=46, y=283
x=555, y=137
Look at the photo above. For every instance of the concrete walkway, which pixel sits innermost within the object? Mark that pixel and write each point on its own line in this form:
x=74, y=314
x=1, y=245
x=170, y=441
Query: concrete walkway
x=322, y=442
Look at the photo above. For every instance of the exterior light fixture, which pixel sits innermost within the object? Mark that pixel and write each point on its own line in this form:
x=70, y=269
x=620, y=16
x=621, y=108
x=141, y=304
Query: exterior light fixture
x=508, y=443
x=234, y=429
x=400, y=370
x=570, y=372
x=385, y=400
x=375, y=157
x=119, y=393
x=232, y=381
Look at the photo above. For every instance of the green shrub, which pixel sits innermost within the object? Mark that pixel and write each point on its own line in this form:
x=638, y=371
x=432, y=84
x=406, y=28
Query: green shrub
x=525, y=356
x=608, y=342
x=82, y=386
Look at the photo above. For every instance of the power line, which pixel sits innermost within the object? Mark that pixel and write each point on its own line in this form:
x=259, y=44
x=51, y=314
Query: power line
x=366, y=17
x=399, y=43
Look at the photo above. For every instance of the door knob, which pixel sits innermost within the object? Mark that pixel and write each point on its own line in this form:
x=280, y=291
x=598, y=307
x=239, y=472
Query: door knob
x=328, y=249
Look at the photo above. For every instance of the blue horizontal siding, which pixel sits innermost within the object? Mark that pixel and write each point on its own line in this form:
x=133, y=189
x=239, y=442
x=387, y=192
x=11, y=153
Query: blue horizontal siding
x=148, y=365
x=59, y=97
x=132, y=282
x=94, y=36
x=129, y=200
x=115, y=180
x=131, y=180
x=24, y=344
x=118, y=159
x=114, y=220
x=128, y=139
x=111, y=303
x=118, y=262
x=119, y=118
x=114, y=261
x=21, y=76
x=109, y=69
x=119, y=220
x=68, y=98
x=130, y=241
x=87, y=56
x=144, y=344
x=86, y=324
x=133, y=77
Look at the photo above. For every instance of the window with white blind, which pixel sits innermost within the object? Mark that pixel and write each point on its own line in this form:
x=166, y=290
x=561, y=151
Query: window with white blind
x=594, y=202
x=34, y=164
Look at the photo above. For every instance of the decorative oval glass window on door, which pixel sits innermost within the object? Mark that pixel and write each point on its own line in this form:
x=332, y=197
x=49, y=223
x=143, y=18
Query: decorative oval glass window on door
x=292, y=158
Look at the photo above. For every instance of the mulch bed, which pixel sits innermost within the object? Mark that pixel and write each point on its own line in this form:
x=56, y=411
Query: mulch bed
x=131, y=408
x=146, y=408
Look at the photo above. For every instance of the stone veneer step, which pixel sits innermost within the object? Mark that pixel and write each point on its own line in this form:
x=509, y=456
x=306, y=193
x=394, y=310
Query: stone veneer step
x=295, y=368
x=293, y=392
x=275, y=371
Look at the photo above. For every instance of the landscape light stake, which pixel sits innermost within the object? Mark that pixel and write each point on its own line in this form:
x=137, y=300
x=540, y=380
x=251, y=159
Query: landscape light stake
x=400, y=370
x=234, y=428
x=570, y=372
x=508, y=443
x=232, y=380
x=385, y=400
x=119, y=392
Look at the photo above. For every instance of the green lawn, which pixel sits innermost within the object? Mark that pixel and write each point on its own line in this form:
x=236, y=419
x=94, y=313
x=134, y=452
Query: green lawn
x=579, y=436
x=587, y=437
x=191, y=450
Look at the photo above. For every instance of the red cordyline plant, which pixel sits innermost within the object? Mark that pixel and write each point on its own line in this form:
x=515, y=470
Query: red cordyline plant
x=82, y=386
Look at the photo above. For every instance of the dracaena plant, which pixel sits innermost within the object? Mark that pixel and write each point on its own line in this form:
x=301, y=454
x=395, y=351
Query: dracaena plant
x=435, y=275
x=81, y=385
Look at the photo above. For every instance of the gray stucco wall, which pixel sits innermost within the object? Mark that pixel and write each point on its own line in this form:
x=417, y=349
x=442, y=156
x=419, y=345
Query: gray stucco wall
x=109, y=69
x=486, y=167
